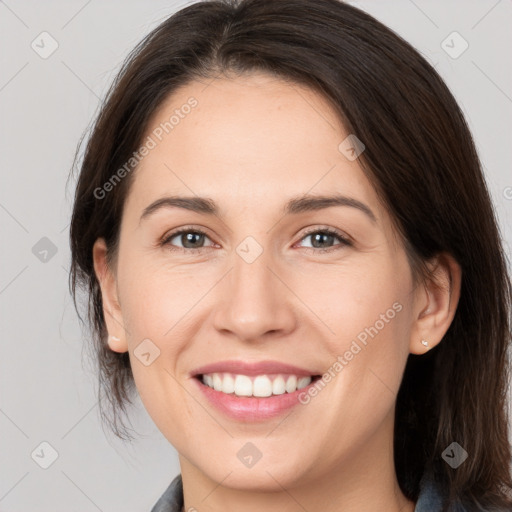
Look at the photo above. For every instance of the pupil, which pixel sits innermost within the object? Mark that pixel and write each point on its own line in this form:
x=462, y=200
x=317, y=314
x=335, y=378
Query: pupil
x=318, y=236
x=189, y=237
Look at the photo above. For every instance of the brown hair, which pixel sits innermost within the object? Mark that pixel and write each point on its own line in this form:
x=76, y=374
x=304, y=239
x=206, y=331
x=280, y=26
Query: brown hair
x=422, y=161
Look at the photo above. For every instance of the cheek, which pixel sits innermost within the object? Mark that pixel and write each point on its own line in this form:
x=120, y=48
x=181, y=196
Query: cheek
x=157, y=309
x=368, y=312
x=355, y=301
x=157, y=301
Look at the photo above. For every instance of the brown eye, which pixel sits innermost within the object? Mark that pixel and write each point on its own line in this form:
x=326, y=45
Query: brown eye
x=188, y=238
x=322, y=239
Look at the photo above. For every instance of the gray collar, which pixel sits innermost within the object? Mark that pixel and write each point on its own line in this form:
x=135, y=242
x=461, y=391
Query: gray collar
x=429, y=500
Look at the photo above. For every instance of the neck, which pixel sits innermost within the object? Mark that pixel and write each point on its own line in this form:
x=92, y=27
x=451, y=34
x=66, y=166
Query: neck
x=363, y=480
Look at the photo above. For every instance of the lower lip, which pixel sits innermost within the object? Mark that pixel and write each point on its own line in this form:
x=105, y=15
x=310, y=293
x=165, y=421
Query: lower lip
x=246, y=408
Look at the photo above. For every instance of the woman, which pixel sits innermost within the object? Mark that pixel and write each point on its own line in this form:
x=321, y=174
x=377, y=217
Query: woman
x=289, y=249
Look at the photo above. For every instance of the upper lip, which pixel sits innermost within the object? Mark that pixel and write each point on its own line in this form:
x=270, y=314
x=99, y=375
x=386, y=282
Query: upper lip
x=251, y=368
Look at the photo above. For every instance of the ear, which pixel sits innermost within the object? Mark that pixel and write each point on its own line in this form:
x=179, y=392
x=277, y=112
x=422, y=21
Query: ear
x=111, y=308
x=435, y=303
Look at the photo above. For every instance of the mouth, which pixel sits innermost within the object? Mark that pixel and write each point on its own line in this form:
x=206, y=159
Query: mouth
x=259, y=386
x=249, y=391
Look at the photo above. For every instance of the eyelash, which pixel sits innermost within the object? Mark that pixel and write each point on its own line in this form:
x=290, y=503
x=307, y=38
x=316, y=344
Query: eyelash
x=328, y=231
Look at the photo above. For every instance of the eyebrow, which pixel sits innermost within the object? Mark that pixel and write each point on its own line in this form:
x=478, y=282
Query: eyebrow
x=294, y=206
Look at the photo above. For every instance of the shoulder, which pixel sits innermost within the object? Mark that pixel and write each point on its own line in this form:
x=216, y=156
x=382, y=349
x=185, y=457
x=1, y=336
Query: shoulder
x=172, y=499
x=430, y=498
x=433, y=496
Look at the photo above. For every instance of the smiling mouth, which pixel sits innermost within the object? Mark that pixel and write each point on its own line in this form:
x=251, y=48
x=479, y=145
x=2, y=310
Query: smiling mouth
x=259, y=386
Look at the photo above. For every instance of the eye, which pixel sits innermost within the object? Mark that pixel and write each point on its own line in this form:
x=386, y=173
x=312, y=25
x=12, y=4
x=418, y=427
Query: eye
x=193, y=238
x=320, y=238
x=188, y=237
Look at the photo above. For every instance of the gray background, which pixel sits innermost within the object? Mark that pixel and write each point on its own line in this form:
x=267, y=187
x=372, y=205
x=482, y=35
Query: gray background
x=48, y=388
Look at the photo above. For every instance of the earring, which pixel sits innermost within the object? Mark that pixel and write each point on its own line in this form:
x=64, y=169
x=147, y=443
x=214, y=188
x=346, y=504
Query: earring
x=425, y=342
x=115, y=338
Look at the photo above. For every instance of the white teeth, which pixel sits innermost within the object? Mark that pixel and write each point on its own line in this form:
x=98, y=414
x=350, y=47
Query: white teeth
x=217, y=382
x=262, y=386
x=259, y=386
x=278, y=386
x=291, y=384
x=228, y=384
x=303, y=382
x=243, y=385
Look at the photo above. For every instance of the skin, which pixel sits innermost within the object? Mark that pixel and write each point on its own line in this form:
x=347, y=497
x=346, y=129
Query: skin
x=252, y=143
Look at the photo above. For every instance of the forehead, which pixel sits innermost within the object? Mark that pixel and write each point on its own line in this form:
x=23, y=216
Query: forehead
x=249, y=140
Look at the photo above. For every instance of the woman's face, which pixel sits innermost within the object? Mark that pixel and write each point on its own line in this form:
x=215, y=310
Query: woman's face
x=265, y=283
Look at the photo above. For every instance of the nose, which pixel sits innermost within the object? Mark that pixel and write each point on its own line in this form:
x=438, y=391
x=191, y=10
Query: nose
x=254, y=303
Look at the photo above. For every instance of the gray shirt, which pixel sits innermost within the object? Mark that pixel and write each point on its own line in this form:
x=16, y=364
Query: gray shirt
x=429, y=500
